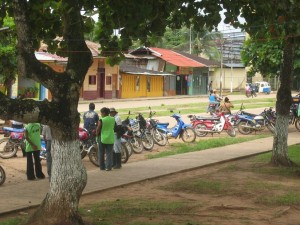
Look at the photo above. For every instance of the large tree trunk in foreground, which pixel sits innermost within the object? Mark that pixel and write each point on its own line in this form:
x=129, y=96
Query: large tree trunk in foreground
x=284, y=100
x=67, y=183
x=60, y=206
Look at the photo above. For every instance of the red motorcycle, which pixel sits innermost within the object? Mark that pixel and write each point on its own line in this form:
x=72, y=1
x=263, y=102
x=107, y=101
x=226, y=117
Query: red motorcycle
x=13, y=141
x=205, y=125
x=88, y=145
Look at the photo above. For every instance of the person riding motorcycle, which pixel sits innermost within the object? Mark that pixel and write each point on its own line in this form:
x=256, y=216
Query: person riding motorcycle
x=214, y=102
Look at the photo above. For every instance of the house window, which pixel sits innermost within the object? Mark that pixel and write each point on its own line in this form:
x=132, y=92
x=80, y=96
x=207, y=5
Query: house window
x=92, y=79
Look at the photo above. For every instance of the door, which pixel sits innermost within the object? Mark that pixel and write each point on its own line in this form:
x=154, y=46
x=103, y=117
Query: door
x=181, y=84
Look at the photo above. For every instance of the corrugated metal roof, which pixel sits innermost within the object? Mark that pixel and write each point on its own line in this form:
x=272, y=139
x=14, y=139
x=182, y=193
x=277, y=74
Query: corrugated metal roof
x=137, y=71
x=206, y=62
x=175, y=58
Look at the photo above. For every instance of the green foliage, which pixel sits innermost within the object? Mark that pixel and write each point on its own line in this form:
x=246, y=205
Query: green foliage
x=8, y=63
x=264, y=55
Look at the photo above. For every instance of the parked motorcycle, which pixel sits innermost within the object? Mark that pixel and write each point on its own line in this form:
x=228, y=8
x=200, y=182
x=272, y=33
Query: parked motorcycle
x=144, y=133
x=137, y=135
x=248, y=122
x=181, y=129
x=216, y=124
x=13, y=141
x=158, y=136
x=89, y=146
x=2, y=175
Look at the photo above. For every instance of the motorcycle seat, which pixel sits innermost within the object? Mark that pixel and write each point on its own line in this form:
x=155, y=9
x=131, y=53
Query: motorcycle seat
x=10, y=129
x=207, y=118
x=248, y=114
x=163, y=124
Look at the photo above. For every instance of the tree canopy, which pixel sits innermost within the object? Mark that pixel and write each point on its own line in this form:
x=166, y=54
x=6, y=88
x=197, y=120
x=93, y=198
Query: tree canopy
x=45, y=20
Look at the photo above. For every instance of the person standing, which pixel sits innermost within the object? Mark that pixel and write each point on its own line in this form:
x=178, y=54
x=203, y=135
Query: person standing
x=210, y=89
x=33, y=147
x=225, y=106
x=117, y=164
x=105, y=129
x=90, y=118
x=47, y=136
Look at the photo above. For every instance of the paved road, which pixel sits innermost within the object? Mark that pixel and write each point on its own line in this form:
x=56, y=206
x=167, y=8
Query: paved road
x=158, y=101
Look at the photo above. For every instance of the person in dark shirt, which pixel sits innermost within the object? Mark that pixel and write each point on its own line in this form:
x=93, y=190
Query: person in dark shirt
x=90, y=118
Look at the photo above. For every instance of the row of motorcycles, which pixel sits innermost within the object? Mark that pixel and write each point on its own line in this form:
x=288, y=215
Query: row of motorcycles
x=245, y=122
x=141, y=134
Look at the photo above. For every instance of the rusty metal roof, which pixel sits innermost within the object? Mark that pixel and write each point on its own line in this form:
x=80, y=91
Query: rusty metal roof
x=175, y=58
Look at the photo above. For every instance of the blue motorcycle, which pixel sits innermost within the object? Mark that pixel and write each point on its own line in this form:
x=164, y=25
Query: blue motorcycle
x=248, y=122
x=181, y=129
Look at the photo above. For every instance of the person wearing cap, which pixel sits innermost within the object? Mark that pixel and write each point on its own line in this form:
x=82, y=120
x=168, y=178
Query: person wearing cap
x=117, y=164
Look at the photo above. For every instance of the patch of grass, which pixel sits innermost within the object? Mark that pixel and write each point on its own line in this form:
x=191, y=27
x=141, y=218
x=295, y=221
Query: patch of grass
x=180, y=148
x=264, y=159
x=110, y=212
x=290, y=198
x=231, y=168
x=198, y=186
x=193, y=108
x=12, y=221
x=259, y=185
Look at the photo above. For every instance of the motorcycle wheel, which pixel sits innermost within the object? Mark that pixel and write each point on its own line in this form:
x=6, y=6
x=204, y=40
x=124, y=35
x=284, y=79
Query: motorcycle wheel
x=124, y=152
x=271, y=128
x=198, y=130
x=8, y=149
x=242, y=129
x=93, y=155
x=2, y=175
x=231, y=131
x=297, y=124
x=147, y=141
x=82, y=151
x=188, y=135
x=137, y=145
x=159, y=138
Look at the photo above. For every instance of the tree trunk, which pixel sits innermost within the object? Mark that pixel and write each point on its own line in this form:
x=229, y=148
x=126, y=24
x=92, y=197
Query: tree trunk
x=68, y=173
x=284, y=100
x=280, y=147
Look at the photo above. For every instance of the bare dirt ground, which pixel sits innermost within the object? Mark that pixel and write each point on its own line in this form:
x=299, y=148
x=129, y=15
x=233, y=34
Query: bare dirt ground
x=237, y=202
x=233, y=206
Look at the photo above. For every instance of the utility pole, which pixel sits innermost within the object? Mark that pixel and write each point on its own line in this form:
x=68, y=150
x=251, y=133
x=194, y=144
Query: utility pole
x=190, y=39
x=221, y=68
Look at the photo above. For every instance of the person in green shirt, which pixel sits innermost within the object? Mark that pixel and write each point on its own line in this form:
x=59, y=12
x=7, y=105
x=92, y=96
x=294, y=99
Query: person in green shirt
x=105, y=131
x=33, y=148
